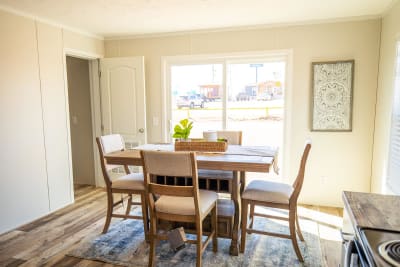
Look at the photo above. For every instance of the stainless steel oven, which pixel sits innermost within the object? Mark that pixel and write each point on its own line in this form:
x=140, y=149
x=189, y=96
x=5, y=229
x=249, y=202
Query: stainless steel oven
x=370, y=248
x=372, y=237
x=349, y=250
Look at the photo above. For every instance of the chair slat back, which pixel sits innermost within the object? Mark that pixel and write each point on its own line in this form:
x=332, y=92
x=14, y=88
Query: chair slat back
x=233, y=137
x=107, y=144
x=298, y=183
x=167, y=163
x=173, y=164
x=112, y=143
x=171, y=190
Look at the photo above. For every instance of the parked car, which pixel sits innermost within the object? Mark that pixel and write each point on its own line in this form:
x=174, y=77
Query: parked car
x=264, y=96
x=242, y=96
x=190, y=101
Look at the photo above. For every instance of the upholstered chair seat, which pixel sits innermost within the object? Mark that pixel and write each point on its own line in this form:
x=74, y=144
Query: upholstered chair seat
x=267, y=191
x=185, y=205
x=132, y=181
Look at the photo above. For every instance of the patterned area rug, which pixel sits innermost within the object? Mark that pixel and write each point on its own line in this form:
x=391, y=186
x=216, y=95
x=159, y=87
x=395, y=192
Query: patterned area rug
x=124, y=245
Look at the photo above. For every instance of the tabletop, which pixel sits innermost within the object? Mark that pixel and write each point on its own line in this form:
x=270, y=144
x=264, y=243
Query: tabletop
x=236, y=158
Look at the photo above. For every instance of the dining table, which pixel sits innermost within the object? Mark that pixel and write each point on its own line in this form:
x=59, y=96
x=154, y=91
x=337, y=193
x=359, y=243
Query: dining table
x=237, y=158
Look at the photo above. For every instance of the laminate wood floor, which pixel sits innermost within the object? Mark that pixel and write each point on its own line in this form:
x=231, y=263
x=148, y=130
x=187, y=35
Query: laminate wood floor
x=45, y=242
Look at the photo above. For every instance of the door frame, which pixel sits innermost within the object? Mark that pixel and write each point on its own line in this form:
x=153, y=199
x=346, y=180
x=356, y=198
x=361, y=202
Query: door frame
x=95, y=110
x=226, y=58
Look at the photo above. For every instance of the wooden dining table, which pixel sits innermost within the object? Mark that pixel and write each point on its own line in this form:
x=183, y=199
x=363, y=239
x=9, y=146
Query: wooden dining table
x=238, y=159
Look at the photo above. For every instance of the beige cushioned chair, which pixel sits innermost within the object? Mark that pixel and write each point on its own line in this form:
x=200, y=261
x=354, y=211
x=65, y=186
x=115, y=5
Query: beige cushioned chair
x=275, y=195
x=130, y=183
x=178, y=203
x=233, y=138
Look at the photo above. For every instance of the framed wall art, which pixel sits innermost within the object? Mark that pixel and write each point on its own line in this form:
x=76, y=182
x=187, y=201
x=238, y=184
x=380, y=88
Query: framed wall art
x=332, y=96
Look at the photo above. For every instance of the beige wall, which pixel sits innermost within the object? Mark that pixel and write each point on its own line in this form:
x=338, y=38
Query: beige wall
x=80, y=120
x=390, y=34
x=343, y=158
x=83, y=46
x=34, y=155
x=55, y=130
x=22, y=154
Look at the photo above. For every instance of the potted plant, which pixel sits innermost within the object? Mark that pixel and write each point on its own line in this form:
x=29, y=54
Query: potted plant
x=182, y=129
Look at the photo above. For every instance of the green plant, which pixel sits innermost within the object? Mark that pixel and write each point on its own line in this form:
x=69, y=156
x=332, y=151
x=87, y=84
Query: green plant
x=182, y=130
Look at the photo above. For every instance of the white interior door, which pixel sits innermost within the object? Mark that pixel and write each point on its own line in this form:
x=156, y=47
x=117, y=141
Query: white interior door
x=123, y=101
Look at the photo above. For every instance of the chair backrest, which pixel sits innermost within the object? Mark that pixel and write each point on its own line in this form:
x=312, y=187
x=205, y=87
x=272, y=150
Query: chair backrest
x=171, y=164
x=107, y=144
x=233, y=137
x=298, y=183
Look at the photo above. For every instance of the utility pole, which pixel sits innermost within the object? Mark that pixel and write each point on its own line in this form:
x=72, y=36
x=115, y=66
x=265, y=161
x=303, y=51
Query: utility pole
x=256, y=66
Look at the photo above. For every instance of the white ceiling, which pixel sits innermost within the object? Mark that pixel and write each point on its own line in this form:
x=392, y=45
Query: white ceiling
x=111, y=18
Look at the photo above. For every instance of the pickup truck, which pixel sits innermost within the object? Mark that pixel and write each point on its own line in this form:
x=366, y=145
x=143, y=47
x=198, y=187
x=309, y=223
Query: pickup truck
x=189, y=101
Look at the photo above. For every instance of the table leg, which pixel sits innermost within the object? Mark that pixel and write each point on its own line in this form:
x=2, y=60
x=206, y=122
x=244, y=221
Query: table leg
x=236, y=188
x=242, y=182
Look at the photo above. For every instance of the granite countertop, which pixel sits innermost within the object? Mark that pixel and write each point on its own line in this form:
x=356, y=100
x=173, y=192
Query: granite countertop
x=367, y=210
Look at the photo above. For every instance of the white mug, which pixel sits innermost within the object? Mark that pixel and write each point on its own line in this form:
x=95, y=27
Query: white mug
x=210, y=135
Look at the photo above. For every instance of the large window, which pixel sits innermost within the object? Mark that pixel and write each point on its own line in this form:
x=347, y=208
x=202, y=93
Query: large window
x=196, y=93
x=394, y=148
x=240, y=93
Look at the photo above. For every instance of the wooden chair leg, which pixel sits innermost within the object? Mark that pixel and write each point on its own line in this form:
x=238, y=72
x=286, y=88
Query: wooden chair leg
x=292, y=228
x=128, y=205
x=110, y=207
x=153, y=239
x=298, y=229
x=252, y=206
x=214, y=226
x=145, y=216
x=199, y=233
x=244, y=215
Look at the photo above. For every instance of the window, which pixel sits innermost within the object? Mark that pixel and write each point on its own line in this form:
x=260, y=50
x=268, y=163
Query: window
x=394, y=148
x=243, y=92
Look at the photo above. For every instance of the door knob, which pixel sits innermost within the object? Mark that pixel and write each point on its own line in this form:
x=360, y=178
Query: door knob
x=141, y=130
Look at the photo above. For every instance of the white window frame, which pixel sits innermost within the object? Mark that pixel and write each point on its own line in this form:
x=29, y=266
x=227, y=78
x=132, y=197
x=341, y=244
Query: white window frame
x=393, y=167
x=225, y=59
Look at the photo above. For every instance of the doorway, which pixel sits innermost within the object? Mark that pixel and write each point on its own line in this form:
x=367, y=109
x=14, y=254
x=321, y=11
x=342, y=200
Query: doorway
x=80, y=114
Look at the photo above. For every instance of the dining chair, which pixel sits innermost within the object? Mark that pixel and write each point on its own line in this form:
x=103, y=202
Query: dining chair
x=130, y=183
x=274, y=195
x=178, y=203
x=233, y=138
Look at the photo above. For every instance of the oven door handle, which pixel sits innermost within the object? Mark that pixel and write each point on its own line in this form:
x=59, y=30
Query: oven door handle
x=350, y=249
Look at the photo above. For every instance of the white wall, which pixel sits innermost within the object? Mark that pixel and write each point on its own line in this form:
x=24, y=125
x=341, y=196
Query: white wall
x=35, y=170
x=390, y=34
x=343, y=158
x=22, y=156
x=54, y=115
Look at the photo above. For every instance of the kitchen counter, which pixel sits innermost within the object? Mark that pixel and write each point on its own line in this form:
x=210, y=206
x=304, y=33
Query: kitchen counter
x=375, y=219
x=367, y=210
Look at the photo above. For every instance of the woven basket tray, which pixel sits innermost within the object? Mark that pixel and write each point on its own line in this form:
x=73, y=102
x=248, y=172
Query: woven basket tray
x=201, y=145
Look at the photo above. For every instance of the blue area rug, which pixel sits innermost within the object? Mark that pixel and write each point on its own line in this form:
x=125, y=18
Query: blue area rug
x=124, y=245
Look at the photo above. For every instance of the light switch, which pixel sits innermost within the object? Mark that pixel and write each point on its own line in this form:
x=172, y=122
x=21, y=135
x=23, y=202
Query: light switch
x=74, y=120
x=155, y=121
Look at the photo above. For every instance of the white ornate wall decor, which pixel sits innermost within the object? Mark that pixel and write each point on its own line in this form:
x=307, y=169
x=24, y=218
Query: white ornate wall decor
x=332, y=98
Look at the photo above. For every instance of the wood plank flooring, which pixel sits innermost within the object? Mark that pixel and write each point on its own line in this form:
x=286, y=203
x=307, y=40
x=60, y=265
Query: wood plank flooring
x=45, y=242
